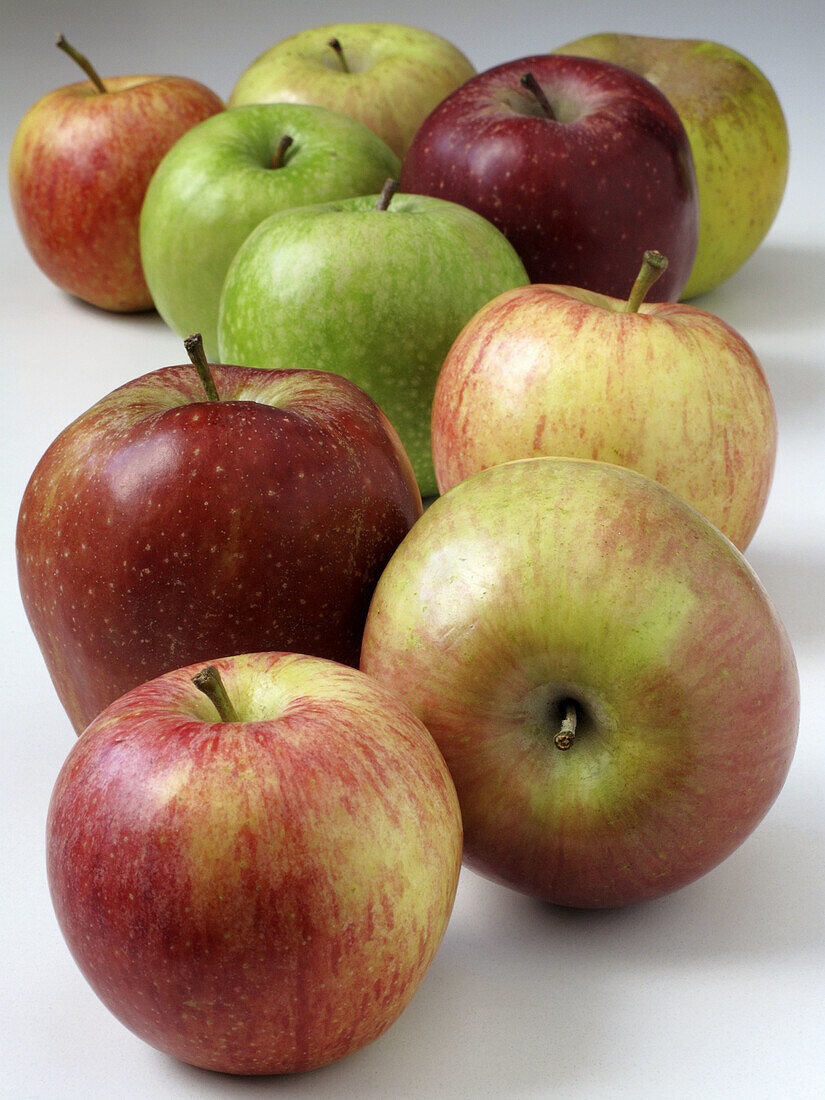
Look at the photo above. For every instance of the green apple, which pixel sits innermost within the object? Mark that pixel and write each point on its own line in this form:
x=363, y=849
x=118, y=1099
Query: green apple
x=211, y=190
x=737, y=132
x=614, y=693
x=386, y=75
x=372, y=289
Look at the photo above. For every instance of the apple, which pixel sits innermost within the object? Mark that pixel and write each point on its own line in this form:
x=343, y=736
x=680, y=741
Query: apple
x=228, y=174
x=581, y=164
x=374, y=288
x=385, y=75
x=667, y=389
x=80, y=163
x=170, y=523
x=255, y=879
x=738, y=137
x=614, y=693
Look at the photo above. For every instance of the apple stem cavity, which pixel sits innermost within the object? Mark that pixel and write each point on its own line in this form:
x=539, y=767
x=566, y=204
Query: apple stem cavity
x=654, y=264
x=280, y=151
x=567, y=734
x=197, y=356
x=82, y=61
x=209, y=681
x=336, y=46
x=387, y=192
x=529, y=82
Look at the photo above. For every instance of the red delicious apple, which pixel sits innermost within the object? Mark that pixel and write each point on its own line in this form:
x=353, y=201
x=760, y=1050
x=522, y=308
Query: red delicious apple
x=258, y=888
x=581, y=164
x=162, y=528
x=80, y=163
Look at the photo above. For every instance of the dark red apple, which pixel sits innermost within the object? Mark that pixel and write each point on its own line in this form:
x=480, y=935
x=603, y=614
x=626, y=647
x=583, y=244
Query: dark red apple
x=161, y=528
x=583, y=165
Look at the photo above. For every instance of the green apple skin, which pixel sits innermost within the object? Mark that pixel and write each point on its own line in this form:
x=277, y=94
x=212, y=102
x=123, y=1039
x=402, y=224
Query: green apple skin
x=375, y=295
x=282, y=882
x=210, y=191
x=671, y=391
x=738, y=136
x=396, y=75
x=549, y=579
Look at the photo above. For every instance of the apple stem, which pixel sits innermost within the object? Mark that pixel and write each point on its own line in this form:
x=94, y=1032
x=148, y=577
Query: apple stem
x=387, y=192
x=567, y=734
x=654, y=264
x=209, y=681
x=197, y=356
x=335, y=45
x=529, y=82
x=280, y=151
x=82, y=61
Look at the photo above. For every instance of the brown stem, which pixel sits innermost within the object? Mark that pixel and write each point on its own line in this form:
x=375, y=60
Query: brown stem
x=280, y=151
x=567, y=734
x=654, y=264
x=209, y=681
x=387, y=192
x=529, y=82
x=335, y=45
x=197, y=356
x=82, y=61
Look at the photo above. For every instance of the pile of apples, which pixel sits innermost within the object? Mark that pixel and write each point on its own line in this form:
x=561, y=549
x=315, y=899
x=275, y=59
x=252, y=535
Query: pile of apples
x=300, y=698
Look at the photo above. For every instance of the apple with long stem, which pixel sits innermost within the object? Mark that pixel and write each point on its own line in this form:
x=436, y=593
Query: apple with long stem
x=254, y=863
x=80, y=163
x=667, y=389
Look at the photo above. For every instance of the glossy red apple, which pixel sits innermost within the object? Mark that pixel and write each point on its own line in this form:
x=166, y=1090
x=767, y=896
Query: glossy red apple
x=259, y=888
x=581, y=164
x=162, y=528
x=80, y=163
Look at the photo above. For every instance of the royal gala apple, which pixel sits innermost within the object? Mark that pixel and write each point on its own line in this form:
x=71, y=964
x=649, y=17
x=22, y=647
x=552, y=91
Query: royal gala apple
x=386, y=75
x=257, y=888
x=224, y=177
x=737, y=132
x=374, y=288
x=666, y=389
x=613, y=691
x=162, y=527
x=581, y=164
x=80, y=163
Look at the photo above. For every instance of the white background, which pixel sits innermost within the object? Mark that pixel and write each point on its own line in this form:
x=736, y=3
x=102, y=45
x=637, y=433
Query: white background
x=717, y=991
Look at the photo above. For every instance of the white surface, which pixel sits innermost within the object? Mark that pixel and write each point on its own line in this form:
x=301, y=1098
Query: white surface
x=717, y=991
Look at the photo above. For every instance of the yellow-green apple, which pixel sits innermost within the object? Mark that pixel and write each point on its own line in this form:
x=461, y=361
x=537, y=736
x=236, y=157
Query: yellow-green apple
x=737, y=132
x=254, y=870
x=228, y=174
x=386, y=75
x=581, y=164
x=373, y=288
x=614, y=693
x=80, y=163
x=166, y=526
x=666, y=389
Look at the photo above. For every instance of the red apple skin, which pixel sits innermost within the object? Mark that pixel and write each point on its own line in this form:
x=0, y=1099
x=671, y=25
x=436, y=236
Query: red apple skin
x=671, y=391
x=262, y=896
x=579, y=200
x=160, y=529
x=79, y=167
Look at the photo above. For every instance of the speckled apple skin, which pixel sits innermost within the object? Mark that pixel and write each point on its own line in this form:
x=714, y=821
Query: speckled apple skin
x=160, y=529
x=548, y=579
x=671, y=391
x=580, y=196
x=261, y=896
x=397, y=75
x=79, y=167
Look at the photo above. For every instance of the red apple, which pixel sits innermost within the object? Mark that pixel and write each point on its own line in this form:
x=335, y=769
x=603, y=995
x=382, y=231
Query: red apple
x=162, y=528
x=581, y=164
x=80, y=163
x=260, y=892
